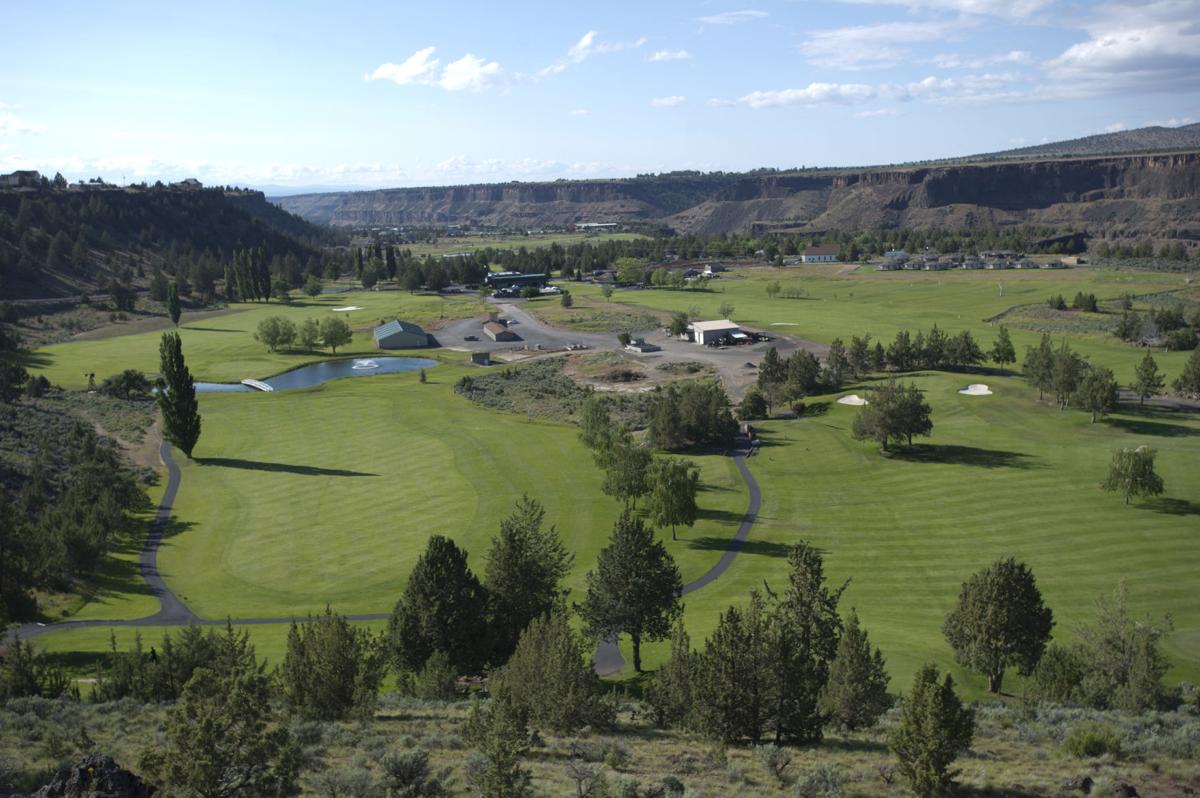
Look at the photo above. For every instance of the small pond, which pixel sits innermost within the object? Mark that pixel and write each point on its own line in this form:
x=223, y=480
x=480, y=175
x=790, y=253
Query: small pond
x=317, y=373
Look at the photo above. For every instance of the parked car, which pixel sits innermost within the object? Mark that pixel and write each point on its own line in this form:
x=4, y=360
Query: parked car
x=471, y=338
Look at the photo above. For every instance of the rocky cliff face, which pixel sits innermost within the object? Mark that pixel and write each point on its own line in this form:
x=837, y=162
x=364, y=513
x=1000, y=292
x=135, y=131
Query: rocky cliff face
x=1137, y=195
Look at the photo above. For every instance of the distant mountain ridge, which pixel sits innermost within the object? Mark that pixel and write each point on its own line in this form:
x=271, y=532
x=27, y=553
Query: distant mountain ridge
x=1140, y=140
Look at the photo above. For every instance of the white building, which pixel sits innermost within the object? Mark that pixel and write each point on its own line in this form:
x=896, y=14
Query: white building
x=707, y=332
x=821, y=253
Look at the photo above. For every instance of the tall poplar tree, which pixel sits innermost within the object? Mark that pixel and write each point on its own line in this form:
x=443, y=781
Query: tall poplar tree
x=177, y=396
x=173, y=308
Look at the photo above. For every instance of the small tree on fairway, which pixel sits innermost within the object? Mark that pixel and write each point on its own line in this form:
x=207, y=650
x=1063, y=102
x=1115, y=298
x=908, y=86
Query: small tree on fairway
x=332, y=670
x=335, y=332
x=177, y=396
x=173, y=308
x=895, y=413
x=855, y=696
x=313, y=286
x=1066, y=367
x=565, y=300
x=934, y=729
x=673, y=487
x=444, y=608
x=725, y=311
x=224, y=740
x=309, y=334
x=1000, y=622
x=1147, y=379
x=626, y=466
x=525, y=568
x=1097, y=391
x=1002, y=352
x=634, y=589
x=1039, y=366
x=1132, y=473
x=276, y=332
x=1188, y=382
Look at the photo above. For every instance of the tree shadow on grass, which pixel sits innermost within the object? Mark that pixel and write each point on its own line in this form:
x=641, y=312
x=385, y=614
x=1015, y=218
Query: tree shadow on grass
x=285, y=468
x=1169, y=506
x=720, y=516
x=760, y=547
x=951, y=454
x=1143, y=426
x=212, y=329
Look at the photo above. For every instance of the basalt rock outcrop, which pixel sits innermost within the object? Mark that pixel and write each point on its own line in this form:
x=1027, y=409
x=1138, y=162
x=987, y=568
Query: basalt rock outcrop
x=1131, y=195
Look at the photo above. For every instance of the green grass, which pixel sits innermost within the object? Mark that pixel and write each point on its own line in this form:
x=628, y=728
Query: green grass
x=841, y=302
x=223, y=349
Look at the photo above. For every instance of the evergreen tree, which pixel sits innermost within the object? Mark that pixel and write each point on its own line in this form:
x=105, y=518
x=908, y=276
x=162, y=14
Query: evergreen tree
x=1039, y=365
x=224, y=739
x=444, y=608
x=500, y=733
x=734, y=680
x=1097, y=391
x=1188, y=382
x=549, y=677
x=900, y=353
x=1147, y=379
x=1002, y=352
x=670, y=694
x=855, y=696
x=177, y=396
x=934, y=729
x=634, y=589
x=332, y=670
x=1065, y=371
x=173, y=308
x=523, y=576
x=1123, y=667
x=1000, y=621
x=804, y=642
x=837, y=364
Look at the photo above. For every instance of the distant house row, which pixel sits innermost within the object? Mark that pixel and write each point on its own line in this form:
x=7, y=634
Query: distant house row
x=901, y=261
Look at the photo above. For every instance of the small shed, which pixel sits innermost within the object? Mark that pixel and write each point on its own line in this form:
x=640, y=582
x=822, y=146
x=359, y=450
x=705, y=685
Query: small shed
x=708, y=332
x=498, y=332
x=481, y=358
x=398, y=334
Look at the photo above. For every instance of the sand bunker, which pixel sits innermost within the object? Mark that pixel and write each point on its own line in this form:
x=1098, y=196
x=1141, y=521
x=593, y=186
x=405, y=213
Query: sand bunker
x=348, y=307
x=976, y=389
x=852, y=399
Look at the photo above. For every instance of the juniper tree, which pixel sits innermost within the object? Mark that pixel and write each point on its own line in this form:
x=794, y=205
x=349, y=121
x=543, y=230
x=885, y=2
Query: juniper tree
x=549, y=677
x=444, y=608
x=332, y=670
x=670, y=695
x=1000, y=621
x=526, y=564
x=934, y=729
x=734, y=681
x=499, y=731
x=1188, y=381
x=177, y=396
x=634, y=589
x=1147, y=379
x=855, y=695
x=803, y=641
x=1002, y=352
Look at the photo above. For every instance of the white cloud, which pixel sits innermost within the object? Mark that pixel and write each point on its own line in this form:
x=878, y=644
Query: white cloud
x=987, y=87
x=1150, y=46
x=588, y=46
x=1009, y=9
x=11, y=124
x=469, y=73
x=956, y=61
x=877, y=113
x=1174, y=121
x=419, y=68
x=732, y=17
x=578, y=112
x=670, y=55
x=1115, y=127
x=872, y=46
x=668, y=102
x=812, y=94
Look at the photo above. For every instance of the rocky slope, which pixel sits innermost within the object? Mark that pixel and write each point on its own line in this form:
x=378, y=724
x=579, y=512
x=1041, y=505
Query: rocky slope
x=1155, y=195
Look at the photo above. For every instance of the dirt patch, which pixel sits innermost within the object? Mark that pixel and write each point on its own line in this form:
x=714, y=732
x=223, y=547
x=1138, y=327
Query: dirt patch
x=590, y=315
x=625, y=373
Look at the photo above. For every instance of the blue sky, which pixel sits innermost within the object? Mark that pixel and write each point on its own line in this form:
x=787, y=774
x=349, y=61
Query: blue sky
x=397, y=93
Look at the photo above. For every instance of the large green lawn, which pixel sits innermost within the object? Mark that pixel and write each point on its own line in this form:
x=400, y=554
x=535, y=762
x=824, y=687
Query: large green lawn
x=327, y=495
x=223, y=349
